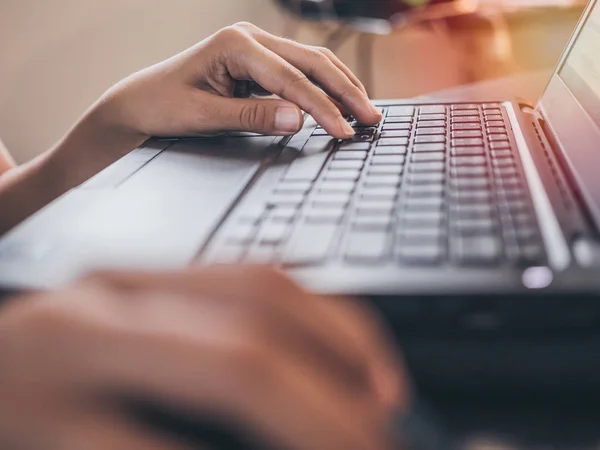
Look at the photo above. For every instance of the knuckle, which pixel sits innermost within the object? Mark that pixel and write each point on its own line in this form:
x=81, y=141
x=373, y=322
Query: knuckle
x=232, y=33
x=256, y=116
x=325, y=51
x=248, y=26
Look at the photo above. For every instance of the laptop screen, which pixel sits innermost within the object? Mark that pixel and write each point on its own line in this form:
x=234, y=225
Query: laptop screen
x=581, y=71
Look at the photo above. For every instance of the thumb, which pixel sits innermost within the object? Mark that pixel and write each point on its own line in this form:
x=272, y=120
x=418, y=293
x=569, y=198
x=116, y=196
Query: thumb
x=264, y=116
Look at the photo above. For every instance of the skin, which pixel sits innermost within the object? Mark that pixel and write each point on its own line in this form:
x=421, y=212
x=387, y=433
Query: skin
x=303, y=372
x=189, y=95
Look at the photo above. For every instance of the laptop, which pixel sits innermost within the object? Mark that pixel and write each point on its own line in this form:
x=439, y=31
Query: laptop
x=472, y=215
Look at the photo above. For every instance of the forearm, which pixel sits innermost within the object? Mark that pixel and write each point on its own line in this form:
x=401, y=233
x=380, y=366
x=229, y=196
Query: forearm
x=93, y=144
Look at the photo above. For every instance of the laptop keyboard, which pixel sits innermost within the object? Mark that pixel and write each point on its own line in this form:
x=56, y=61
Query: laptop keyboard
x=431, y=185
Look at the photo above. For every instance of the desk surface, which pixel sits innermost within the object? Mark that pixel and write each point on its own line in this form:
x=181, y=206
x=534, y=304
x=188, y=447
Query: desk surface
x=477, y=424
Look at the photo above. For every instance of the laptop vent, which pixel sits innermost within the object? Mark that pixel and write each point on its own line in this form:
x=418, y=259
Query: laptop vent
x=554, y=169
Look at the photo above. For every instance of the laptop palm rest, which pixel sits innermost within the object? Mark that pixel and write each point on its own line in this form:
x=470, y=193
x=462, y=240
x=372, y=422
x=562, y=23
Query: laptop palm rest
x=158, y=218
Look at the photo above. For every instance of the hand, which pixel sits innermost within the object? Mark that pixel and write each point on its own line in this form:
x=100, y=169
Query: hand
x=191, y=93
x=302, y=371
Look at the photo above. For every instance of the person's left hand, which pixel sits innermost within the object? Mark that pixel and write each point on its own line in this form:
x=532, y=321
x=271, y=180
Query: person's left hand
x=193, y=92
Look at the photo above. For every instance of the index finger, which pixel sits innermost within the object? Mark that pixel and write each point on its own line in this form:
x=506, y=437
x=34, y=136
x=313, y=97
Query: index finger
x=281, y=78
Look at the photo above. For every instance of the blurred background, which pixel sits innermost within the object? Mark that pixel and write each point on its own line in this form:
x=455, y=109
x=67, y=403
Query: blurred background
x=58, y=56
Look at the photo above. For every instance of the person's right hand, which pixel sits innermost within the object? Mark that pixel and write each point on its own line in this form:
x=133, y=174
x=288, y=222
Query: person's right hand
x=304, y=372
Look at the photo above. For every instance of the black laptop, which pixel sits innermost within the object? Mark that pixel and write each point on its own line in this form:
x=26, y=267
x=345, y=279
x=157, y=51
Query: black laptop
x=474, y=215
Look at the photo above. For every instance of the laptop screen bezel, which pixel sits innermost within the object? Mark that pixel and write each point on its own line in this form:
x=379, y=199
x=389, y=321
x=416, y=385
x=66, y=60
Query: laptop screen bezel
x=574, y=130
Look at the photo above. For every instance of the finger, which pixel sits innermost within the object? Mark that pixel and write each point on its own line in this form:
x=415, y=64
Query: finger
x=211, y=369
x=298, y=313
x=264, y=116
x=110, y=431
x=281, y=78
x=363, y=329
x=317, y=66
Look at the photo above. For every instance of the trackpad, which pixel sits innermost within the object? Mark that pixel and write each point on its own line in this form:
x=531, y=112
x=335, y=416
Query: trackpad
x=158, y=218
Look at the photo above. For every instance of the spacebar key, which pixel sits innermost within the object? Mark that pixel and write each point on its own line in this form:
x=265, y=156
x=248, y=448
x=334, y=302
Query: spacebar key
x=310, y=244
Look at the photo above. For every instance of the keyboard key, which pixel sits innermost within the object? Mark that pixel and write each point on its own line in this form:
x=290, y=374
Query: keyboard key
x=431, y=131
x=306, y=168
x=365, y=246
x=421, y=254
x=423, y=204
x=470, y=183
x=377, y=193
x=433, y=147
x=339, y=197
x=490, y=106
x=473, y=211
x=396, y=134
x=468, y=151
x=263, y=254
x=469, y=161
x=355, y=146
x=423, y=167
x=377, y=171
x=329, y=215
x=467, y=142
x=462, y=113
x=329, y=186
x=375, y=209
x=396, y=126
x=283, y=214
x=433, y=109
x=387, y=160
x=411, y=236
x=394, y=111
x=350, y=156
x=392, y=150
x=421, y=219
x=378, y=181
x=286, y=199
x=502, y=154
x=242, y=233
x=469, y=171
x=466, y=119
x=478, y=196
x=392, y=141
x=492, y=111
x=494, y=118
x=465, y=126
x=293, y=187
x=497, y=137
x=432, y=117
x=428, y=157
x=310, y=244
x=273, y=233
x=430, y=139
x=320, y=132
x=462, y=107
x=495, y=123
x=425, y=190
x=338, y=175
x=345, y=165
x=504, y=162
x=427, y=178
x=431, y=123
x=473, y=226
x=499, y=145
x=372, y=222
x=496, y=130
x=317, y=145
x=467, y=134
x=398, y=119
x=476, y=249
x=228, y=254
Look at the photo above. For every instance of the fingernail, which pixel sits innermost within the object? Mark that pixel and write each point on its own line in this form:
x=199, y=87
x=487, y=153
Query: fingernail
x=376, y=110
x=287, y=120
x=346, y=128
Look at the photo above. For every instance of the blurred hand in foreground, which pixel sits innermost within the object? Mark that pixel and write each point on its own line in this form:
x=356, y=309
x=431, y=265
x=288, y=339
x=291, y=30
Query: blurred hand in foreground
x=302, y=371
